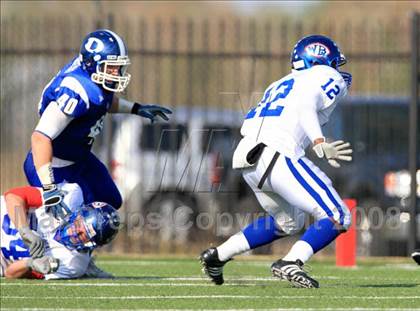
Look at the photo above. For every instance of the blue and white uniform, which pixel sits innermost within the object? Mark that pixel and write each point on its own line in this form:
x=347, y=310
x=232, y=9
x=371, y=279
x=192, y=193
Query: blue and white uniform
x=72, y=110
x=73, y=264
x=286, y=120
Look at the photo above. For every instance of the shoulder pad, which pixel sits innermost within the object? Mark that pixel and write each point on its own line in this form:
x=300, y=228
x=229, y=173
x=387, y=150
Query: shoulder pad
x=325, y=71
x=91, y=89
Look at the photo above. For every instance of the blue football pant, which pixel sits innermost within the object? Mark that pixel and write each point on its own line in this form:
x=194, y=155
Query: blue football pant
x=91, y=175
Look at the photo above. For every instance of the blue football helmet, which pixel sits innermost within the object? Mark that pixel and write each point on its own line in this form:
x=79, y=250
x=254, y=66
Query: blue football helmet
x=100, y=53
x=93, y=225
x=316, y=50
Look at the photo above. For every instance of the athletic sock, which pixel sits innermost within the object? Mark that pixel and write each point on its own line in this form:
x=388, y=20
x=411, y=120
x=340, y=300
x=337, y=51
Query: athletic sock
x=316, y=237
x=235, y=245
x=260, y=232
x=300, y=250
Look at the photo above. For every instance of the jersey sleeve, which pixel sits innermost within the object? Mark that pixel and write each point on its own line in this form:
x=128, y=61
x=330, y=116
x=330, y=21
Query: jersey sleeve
x=31, y=195
x=330, y=84
x=72, y=98
x=53, y=121
x=310, y=102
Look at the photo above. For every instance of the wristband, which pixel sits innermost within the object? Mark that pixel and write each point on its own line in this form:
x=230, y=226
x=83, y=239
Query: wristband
x=45, y=174
x=136, y=108
x=319, y=140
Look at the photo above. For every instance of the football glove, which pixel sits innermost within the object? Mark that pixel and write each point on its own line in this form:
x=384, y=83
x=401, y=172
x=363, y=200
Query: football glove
x=44, y=265
x=34, y=242
x=151, y=111
x=347, y=78
x=53, y=201
x=337, y=150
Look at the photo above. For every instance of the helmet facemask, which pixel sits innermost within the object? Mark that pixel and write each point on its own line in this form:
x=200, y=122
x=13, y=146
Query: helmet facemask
x=109, y=81
x=77, y=233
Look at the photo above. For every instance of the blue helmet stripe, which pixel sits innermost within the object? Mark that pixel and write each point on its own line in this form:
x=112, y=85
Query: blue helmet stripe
x=121, y=45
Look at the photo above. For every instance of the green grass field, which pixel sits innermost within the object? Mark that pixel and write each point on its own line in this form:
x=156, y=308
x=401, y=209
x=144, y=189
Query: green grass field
x=171, y=283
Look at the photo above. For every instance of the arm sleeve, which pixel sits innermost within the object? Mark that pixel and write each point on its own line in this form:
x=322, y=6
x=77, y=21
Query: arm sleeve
x=53, y=121
x=308, y=113
x=31, y=195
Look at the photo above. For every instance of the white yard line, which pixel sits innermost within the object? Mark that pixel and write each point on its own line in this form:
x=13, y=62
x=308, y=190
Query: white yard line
x=228, y=279
x=206, y=297
x=124, y=284
x=278, y=309
x=402, y=266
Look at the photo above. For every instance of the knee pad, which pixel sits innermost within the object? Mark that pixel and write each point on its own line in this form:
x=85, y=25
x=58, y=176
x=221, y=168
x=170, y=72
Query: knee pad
x=290, y=225
x=342, y=216
x=346, y=218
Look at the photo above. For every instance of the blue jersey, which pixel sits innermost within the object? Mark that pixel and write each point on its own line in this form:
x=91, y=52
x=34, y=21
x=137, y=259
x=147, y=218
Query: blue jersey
x=80, y=98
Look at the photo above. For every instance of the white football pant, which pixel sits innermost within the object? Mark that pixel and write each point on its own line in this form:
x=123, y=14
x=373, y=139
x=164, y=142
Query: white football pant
x=293, y=188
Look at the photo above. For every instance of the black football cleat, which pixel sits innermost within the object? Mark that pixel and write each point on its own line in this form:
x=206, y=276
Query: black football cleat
x=416, y=256
x=292, y=271
x=212, y=266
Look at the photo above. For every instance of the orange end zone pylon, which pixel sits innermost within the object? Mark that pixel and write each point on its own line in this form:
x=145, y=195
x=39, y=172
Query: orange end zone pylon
x=345, y=246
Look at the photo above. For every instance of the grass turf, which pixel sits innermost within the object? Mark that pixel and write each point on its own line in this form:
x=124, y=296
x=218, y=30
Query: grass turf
x=174, y=283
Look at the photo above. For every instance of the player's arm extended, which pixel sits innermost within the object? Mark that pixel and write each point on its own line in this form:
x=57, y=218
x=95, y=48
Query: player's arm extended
x=334, y=151
x=53, y=121
x=121, y=105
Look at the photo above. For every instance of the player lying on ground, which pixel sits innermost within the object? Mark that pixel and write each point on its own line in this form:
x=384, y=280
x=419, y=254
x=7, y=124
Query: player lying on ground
x=273, y=163
x=36, y=245
x=72, y=108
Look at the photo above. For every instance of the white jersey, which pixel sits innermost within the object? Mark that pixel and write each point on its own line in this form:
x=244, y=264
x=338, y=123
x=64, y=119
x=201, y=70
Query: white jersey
x=73, y=264
x=294, y=108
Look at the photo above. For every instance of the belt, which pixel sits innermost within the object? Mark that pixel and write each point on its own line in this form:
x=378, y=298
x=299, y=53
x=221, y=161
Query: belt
x=268, y=170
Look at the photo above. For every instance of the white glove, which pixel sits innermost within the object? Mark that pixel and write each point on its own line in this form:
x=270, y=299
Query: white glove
x=337, y=150
x=34, y=242
x=44, y=265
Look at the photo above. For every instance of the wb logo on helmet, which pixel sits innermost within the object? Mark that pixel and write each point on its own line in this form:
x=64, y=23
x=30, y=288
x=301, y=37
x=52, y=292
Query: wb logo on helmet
x=317, y=50
x=94, y=45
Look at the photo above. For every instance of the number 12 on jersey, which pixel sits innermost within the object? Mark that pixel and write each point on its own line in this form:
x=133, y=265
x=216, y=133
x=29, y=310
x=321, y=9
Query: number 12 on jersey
x=331, y=92
x=269, y=108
